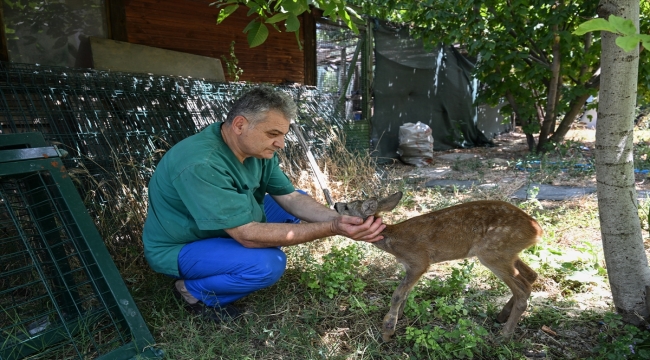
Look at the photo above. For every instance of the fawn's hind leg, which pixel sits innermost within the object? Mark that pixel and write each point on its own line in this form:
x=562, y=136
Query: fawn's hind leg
x=526, y=271
x=509, y=272
x=505, y=312
x=413, y=274
x=530, y=275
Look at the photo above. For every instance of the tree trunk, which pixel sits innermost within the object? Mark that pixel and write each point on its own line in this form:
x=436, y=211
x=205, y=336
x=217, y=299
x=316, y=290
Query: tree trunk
x=575, y=107
x=627, y=264
x=530, y=139
x=551, y=99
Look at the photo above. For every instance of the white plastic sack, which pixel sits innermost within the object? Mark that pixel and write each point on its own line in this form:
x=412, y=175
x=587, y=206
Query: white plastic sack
x=415, y=144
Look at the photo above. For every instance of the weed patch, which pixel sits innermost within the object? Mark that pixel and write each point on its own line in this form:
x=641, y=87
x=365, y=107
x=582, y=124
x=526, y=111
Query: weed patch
x=339, y=272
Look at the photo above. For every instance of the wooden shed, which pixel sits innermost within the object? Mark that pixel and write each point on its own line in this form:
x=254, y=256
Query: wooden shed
x=58, y=34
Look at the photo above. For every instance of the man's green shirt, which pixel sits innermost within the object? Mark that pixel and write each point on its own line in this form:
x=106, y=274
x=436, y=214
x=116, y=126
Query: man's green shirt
x=199, y=189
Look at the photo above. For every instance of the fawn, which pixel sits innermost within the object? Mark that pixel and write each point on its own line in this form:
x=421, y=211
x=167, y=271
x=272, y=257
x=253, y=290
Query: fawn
x=493, y=231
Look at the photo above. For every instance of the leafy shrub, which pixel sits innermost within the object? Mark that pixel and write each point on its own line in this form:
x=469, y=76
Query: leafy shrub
x=338, y=273
x=463, y=341
x=622, y=341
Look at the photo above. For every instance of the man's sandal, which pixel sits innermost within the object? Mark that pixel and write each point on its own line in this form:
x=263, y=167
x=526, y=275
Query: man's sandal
x=216, y=314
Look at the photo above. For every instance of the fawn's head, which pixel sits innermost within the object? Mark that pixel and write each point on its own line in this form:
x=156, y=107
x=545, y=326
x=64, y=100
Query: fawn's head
x=365, y=208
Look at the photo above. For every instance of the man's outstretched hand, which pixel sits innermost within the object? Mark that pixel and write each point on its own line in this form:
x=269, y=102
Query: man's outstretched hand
x=357, y=229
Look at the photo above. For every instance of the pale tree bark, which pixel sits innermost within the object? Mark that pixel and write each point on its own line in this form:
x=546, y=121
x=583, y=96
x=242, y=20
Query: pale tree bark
x=627, y=264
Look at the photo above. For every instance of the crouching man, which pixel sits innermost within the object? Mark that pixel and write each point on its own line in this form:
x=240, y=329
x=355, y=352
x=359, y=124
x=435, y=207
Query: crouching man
x=220, y=209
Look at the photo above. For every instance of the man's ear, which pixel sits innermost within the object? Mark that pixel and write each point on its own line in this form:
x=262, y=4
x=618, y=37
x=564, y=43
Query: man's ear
x=238, y=124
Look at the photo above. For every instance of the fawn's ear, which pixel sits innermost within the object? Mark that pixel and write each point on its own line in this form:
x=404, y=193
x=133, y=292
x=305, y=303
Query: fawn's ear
x=369, y=207
x=389, y=203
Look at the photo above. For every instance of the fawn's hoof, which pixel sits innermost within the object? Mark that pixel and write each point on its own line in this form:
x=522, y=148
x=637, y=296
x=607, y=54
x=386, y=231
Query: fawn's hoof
x=503, y=316
x=506, y=333
x=388, y=331
x=387, y=336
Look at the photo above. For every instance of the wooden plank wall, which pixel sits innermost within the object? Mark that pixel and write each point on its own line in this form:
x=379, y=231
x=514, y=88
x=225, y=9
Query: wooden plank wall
x=190, y=26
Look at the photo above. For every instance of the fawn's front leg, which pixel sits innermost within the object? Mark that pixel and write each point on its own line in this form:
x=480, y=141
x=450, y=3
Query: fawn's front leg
x=413, y=274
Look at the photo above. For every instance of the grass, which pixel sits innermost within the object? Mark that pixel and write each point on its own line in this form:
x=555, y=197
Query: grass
x=335, y=292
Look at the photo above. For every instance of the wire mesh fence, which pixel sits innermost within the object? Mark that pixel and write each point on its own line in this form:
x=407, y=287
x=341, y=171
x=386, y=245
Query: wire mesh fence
x=97, y=114
x=340, y=75
x=115, y=127
x=336, y=47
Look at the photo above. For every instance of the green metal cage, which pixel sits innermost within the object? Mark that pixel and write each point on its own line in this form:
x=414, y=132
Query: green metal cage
x=61, y=296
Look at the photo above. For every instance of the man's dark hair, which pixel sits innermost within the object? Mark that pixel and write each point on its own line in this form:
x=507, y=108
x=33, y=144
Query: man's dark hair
x=255, y=103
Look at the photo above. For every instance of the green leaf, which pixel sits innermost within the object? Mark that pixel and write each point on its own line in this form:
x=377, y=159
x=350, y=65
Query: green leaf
x=277, y=17
x=294, y=7
x=257, y=33
x=598, y=24
x=345, y=16
x=623, y=26
x=253, y=8
x=292, y=24
x=329, y=9
x=301, y=8
x=249, y=26
x=225, y=12
x=16, y=4
x=645, y=39
x=352, y=12
x=628, y=43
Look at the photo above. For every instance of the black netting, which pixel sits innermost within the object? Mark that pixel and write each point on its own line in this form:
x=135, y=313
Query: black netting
x=433, y=86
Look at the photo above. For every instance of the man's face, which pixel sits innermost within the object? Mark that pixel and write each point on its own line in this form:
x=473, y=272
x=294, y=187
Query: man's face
x=266, y=137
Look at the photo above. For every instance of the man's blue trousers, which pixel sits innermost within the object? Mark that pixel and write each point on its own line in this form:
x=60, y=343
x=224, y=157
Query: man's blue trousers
x=219, y=271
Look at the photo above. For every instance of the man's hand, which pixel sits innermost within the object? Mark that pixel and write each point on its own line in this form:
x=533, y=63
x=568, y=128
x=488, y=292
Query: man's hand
x=357, y=229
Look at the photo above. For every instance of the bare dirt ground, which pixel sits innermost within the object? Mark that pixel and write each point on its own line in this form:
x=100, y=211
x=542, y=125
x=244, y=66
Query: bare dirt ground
x=509, y=148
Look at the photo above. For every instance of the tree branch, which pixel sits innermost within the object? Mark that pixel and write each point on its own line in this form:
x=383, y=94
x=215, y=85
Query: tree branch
x=543, y=64
x=575, y=108
x=588, y=39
